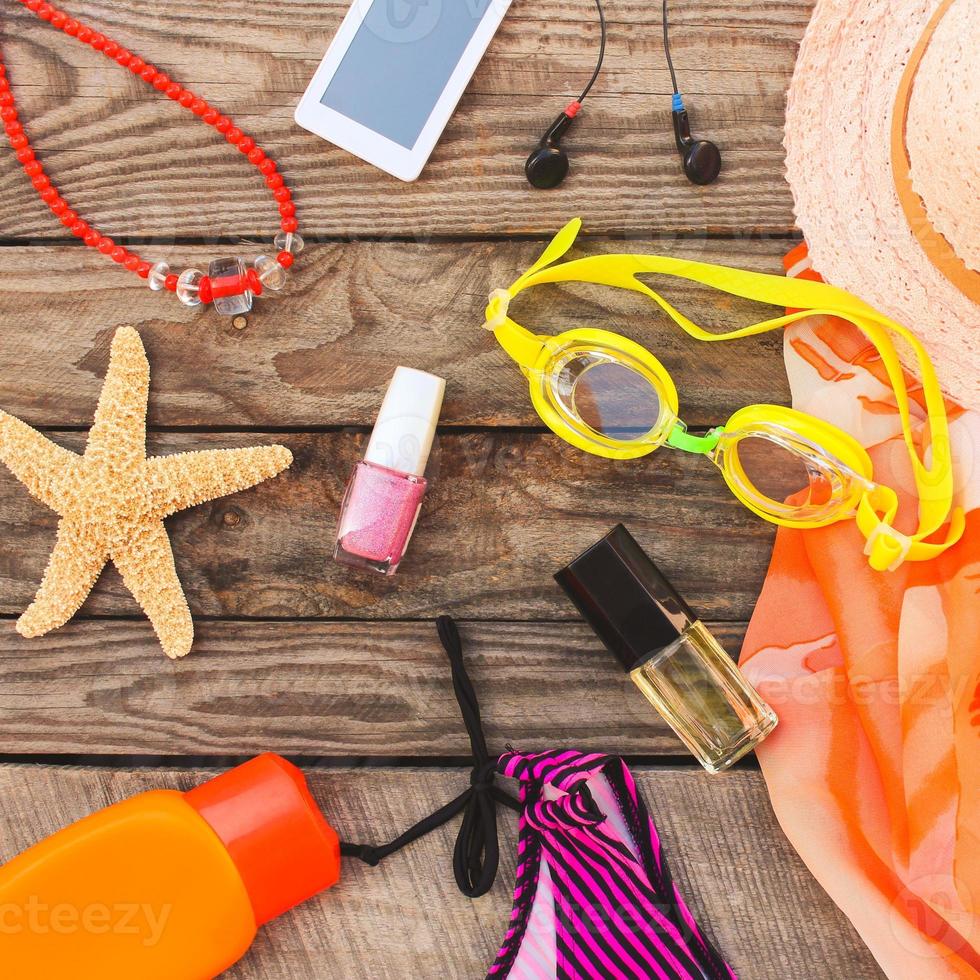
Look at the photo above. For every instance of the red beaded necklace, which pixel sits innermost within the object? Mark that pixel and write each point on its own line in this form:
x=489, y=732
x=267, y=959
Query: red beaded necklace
x=229, y=284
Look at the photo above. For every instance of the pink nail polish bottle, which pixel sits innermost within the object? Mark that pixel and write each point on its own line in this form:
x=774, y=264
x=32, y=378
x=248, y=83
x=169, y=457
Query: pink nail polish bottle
x=385, y=492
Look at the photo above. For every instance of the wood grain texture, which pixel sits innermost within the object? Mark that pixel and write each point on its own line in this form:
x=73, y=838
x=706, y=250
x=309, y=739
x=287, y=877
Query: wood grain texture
x=295, y=653
x=406, y=919
x=322, y=353
x=504, y=512
x=320, y=689
x=134, y=164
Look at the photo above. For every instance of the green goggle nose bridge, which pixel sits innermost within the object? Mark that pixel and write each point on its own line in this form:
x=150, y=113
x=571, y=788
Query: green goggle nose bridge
x=681, y=439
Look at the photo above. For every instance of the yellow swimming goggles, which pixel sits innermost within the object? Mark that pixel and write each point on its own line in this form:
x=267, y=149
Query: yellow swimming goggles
x=609, y=396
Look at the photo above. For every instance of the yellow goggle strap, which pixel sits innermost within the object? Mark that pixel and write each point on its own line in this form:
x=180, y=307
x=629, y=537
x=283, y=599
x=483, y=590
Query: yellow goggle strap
x=886, y=547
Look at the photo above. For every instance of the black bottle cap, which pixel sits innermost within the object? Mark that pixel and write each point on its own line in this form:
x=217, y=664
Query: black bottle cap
x=625, y=598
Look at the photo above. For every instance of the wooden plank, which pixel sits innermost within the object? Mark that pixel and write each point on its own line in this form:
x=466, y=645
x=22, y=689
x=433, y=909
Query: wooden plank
x=322, y=353
x=505, y=511
x=746, y=886
x=320, y=689
x=157, y=171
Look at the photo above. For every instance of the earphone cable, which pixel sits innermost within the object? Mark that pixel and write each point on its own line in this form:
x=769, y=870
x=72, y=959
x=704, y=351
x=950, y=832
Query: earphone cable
x=602, y=51
x=670, y=64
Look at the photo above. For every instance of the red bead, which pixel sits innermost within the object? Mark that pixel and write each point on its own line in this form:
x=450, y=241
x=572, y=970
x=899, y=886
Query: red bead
x=71, y=27
x=136, y=64
x=223, y=124
x=287, y=209
x=4, y=84
x=49, y=194
x=106, y=245
x=199, y=107
x=45, y=11
x=289, y=224
x=143, y=269
x=246, y=144
x=253, y=281
x=171, y=283
x=26, y=155
x=32, y=168
x=186, y=99
x=69, y=218
x=33, y=5
x=92, y=238
x=132, y=262
x=84, y=34
x=275, y=181
x=6, y=98
x=148, y=74
x=58, y=19
x=110, y=49
x=119, y=254
x=173, y=91
x=256, y=156
x=41, y=181
x=8, y=113
x=58, y=206
x=97, y=41
x=285, y=259
x=161, y=81
x=19, y=141
x=80, y=229
x=124, y=58
x=204, y=290
x=282, y=194
x=268, y=166
x=210, y=116
x=14, y=127
x=233, y=135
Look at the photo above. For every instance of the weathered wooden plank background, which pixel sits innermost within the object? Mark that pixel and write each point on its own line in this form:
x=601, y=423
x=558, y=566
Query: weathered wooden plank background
x=253, y=58
x=295, y=654
x=406, y=919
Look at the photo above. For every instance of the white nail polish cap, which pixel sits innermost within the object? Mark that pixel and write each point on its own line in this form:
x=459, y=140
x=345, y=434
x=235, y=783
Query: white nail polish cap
x=402, y=436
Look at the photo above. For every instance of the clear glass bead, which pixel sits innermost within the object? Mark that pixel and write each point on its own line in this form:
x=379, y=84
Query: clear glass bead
x=288, y=241
x=229, y=286
x=158, y=276
x=271, y=274
x=188, y=287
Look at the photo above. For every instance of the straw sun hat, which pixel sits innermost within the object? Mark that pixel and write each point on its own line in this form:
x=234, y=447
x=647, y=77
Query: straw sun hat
x=883, y=156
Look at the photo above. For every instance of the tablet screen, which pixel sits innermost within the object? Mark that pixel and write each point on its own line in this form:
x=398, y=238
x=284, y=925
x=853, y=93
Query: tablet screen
x=399, y=63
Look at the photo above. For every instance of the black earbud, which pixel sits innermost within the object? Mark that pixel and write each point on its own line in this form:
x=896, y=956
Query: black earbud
x=702, y=159
x=547, y=166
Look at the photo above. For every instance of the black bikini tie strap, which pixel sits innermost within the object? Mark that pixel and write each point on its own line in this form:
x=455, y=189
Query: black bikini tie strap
x=477, y=853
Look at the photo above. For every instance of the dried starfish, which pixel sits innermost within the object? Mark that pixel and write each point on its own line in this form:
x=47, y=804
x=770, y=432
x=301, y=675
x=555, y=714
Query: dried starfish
x=112, y=501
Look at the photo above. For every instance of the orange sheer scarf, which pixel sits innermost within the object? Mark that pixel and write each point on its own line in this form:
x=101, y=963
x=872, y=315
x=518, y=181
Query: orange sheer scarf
x=874, y=771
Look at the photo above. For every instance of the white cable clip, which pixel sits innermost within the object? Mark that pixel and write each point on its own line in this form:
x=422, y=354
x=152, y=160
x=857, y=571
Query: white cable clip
x=903, y=542
x=502, y=298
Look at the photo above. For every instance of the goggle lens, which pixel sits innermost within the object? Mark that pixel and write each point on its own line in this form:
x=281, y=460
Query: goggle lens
x=784, y=476
x=605, y=395
x=775, y=473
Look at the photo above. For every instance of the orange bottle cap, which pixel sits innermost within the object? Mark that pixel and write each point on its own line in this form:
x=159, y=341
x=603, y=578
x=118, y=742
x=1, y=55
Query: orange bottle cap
x=282, y=845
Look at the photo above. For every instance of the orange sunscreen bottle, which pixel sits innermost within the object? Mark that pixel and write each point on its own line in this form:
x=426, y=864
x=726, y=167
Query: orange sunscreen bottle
x=167, y=885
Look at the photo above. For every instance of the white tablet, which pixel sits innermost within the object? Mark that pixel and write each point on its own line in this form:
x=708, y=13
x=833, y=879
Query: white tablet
x=393, y=76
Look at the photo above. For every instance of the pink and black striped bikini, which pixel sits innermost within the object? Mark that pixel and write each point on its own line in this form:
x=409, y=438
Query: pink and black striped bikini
x=594, y=898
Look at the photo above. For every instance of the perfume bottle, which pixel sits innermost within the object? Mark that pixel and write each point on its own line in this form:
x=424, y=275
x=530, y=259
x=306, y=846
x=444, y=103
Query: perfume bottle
x=669, y=654
x=385, y=492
